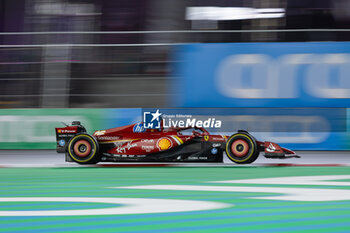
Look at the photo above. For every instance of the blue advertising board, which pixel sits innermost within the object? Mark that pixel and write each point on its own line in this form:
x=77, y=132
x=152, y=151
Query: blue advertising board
x=311, y=74
x=270, y=75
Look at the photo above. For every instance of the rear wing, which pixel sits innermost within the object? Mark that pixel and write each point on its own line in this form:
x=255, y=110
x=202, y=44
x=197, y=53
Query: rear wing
x=64, y=134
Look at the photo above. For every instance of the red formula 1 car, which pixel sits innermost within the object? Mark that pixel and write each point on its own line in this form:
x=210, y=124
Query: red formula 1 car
x=135, y=143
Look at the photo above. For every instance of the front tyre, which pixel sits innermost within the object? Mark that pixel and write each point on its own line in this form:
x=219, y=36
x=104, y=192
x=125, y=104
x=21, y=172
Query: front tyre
x=83, y=149
x=241, y=148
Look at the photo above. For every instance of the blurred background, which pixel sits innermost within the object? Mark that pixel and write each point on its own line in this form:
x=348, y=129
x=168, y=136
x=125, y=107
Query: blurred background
x=118, y=53
x=59, y=55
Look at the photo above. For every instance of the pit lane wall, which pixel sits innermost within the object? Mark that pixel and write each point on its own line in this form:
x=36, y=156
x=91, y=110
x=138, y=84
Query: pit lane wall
x=260, y=75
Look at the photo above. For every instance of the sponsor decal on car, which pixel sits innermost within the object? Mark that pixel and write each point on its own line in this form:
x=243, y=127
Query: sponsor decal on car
x=139, y=128
x=61, y=142
x=147, y=140
x=164, y=144
x=214, y=151
x=100, y=132
x=197, y=158
x=216, y=138
x=66, y=131
x=108, y=138
x=271, y=148
x=124, y=148
x=148, y=148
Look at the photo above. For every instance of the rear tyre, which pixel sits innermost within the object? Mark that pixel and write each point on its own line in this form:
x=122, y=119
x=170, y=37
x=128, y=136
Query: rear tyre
x=83, y=149
x=241, y=148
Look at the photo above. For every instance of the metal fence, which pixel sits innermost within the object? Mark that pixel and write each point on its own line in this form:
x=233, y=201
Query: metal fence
x=84, y=69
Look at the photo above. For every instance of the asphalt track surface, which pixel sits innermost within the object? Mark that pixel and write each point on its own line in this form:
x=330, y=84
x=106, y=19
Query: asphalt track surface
x=39, y=192
x=49, y=158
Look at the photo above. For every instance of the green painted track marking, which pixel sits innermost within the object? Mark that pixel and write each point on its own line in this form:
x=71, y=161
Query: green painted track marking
x=248, y=215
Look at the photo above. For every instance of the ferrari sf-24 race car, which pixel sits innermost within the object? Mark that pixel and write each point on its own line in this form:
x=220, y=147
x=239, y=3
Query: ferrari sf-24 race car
x=135, y=143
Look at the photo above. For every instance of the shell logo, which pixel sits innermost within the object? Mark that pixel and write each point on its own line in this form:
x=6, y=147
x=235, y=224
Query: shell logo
x=164, y=144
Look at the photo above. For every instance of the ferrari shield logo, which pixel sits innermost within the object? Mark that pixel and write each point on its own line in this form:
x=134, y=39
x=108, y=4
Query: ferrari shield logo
x=206, y=138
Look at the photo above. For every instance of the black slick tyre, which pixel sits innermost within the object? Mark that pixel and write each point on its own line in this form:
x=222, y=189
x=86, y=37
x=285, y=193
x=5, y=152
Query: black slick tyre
x=241, y=148
x=83, y=149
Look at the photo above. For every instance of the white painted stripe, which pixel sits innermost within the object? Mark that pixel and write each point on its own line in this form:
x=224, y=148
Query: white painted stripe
x=133, y=206
x=295, y=180
x=290, y=194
